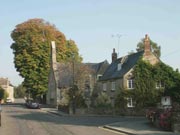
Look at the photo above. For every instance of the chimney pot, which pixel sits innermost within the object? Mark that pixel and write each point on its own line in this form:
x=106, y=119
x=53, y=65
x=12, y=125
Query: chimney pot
x=114, y=55
x=147, y=46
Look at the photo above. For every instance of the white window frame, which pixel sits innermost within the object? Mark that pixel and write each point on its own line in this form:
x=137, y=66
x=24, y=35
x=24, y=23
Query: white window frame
x=113, y=86
x=159, y=84
x=130, y=102
x=104, y=87
x=130, y=84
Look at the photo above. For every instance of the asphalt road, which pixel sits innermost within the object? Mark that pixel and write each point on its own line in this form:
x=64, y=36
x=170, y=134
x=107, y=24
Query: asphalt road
x=18, y=120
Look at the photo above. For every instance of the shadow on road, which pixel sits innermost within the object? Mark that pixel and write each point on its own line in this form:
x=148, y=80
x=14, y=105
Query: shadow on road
x=39, y=116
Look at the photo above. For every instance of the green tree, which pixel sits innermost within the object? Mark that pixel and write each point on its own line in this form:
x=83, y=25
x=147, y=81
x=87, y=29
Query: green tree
x=120, y=100
x=3, y=94
x=155, y=48
x=31, y=50
x=103, y=100
x=72, y=51
x=19, y=91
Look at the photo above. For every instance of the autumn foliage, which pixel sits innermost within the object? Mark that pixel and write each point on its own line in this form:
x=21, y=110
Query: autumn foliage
x=31, y=48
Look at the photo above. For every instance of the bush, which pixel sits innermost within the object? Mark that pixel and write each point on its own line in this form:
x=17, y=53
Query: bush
x=103, y=100
x=80, y=101
x=121, y=99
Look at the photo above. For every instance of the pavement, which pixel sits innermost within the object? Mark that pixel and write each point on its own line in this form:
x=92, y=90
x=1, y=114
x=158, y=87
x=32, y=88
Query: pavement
x=133, y=127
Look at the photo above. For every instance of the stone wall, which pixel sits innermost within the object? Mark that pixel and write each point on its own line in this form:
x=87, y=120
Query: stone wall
x=176, y=117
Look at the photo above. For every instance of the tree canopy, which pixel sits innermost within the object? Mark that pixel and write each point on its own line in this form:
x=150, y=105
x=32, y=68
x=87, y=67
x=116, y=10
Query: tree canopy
x=3, y=94
x=19, y=91
x=156, y=49
x=31, y=50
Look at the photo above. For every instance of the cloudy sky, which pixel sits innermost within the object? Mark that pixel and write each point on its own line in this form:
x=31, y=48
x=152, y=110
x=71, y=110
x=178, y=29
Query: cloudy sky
x=91, y=24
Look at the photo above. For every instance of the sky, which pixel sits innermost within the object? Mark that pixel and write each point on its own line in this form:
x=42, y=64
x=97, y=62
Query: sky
x=95, y=25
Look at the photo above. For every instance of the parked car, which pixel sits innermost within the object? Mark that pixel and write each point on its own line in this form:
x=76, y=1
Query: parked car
x=32, y=104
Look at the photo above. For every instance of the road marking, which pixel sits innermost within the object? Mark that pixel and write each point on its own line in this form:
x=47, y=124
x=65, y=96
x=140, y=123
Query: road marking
x=112, y=131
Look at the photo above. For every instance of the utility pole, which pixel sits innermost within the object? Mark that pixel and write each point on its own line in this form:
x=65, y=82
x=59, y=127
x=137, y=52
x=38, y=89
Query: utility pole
x=118, y=36
x=73, y=87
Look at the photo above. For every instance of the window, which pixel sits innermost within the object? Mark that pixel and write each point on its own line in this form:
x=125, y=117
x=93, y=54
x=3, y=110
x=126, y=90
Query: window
x=99, y=76
x=159, y=85
x=119, y=66
x=104, y=87
x=130, y=102
x=130, y=84
x=113, y=86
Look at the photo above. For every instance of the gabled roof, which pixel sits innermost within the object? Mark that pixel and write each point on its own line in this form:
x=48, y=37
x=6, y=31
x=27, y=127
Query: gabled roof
x=65, y=75
x=98, y=67
x=127, y=63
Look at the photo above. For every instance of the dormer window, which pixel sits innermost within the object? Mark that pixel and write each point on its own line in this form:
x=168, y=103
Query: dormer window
x=99, y=76
x=119, y=67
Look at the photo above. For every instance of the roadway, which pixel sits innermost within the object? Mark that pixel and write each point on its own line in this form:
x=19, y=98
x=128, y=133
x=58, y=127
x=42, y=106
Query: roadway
x=18, y=120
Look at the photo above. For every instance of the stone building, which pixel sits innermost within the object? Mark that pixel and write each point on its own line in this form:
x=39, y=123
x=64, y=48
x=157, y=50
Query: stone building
x=8, y=87
x=63, y=75
x=119, y=73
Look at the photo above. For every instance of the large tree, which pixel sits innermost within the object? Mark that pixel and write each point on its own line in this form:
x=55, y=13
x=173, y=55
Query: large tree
x=19, y=91
x=31, y=50
x=156, y=49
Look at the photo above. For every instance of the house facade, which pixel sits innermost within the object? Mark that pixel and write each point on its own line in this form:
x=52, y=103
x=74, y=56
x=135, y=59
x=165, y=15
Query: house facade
x=63, y=75
x=8, y=87
x=119, y=73
x=97, y=71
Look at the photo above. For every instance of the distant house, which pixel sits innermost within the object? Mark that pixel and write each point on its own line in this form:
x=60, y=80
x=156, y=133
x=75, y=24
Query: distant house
x=119, y=73
x=8, y=87
x=63, y=76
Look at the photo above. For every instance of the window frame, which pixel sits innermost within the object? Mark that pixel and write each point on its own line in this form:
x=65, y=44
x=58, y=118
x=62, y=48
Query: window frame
x=130, y=103
x=119, y=66
x=159, y=85
x=113, y=86
x=104, y=86
x=99, y=76
x=130, y=84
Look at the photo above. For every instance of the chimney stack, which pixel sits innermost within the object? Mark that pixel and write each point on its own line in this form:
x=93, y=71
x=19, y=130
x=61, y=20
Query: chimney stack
x=147, y=46
x=114, y=55
x=53, y=54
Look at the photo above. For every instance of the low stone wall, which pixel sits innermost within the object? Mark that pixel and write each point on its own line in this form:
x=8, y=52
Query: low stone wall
x=176, y=118
x=115, y=111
